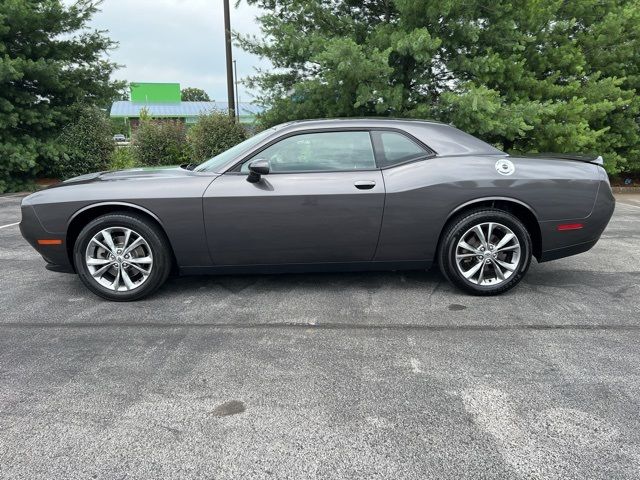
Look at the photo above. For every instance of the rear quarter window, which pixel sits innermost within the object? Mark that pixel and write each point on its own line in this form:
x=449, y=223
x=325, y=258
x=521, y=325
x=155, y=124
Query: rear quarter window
x=395, y=148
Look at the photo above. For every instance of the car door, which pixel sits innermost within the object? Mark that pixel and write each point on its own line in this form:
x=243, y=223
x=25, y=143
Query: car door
x=321, y=202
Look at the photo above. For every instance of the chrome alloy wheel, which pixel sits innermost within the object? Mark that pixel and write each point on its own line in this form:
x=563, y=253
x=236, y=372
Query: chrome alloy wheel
x=119, y=259
x=488, y=254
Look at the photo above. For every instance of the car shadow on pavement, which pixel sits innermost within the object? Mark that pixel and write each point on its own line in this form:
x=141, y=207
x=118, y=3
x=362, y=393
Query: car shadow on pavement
x=370, y=280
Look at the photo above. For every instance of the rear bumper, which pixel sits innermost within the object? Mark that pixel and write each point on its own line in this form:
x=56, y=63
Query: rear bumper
x=56, y=256
x=558, y=244
x=567, y=251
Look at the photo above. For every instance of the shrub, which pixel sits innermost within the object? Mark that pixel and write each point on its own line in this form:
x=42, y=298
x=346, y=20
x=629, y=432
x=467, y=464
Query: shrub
x=17, y=168
x=160, y=142
x=123, y=158
x=214, y=133
x=86, y=144
x=119, y=125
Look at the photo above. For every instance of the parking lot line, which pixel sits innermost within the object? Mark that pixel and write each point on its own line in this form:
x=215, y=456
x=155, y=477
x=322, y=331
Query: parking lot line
x=9, y=225
x=628, y=204
x=323, y=326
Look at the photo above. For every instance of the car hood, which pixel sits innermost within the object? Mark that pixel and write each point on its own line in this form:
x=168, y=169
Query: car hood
x=123, y=184
x=130, y=174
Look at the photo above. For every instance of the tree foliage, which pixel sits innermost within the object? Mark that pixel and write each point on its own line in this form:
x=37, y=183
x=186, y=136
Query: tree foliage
x=191, y=94
x=87, y=145
x=214, y=133
x=160, y=142
x=527, y=76
x=49, y=62
x=123, y=158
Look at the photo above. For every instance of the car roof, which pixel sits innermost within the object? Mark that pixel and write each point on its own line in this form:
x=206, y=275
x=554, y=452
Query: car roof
x=357, y=122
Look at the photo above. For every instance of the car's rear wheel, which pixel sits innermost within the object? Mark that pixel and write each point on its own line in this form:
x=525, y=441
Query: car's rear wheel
x=485, y=252
x=122, y=256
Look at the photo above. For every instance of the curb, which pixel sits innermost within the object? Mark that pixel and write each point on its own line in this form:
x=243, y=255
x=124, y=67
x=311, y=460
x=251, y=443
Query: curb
x=14, y=194
x=626, y=189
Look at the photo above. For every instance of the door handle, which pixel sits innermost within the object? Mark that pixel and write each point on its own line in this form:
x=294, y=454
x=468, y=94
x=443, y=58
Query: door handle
x=365, y=184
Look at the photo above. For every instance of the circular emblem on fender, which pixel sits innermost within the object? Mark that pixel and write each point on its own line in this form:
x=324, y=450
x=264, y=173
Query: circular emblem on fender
x=505, y=167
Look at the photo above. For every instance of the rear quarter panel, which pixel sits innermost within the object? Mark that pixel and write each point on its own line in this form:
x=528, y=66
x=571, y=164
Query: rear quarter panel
x=422, y=196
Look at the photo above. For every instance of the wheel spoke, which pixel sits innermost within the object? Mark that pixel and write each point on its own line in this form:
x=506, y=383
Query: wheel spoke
x=466, y=246
x=466, y=255
x=135, y=244
x=507, y=248
x=99, y=272
x=143, y=260
x=506, y=266
x=489, y=231
x=141, y=270
x=101, y=245
x=471, y=272
x=127, y=236
x=116, y=281
x=108, y=239
x=480, y=234
x=481, y=274
x=98, y=261
x=498, y=270
x=127, y=280
x=506, y=239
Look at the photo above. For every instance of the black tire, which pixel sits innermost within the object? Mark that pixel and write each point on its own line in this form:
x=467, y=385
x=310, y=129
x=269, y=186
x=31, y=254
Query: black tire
x=154, y=237
x=462, y=224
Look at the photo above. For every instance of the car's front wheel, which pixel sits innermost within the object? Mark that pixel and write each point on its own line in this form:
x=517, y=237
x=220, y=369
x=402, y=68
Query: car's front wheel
x=122, y=256
x=485, y=252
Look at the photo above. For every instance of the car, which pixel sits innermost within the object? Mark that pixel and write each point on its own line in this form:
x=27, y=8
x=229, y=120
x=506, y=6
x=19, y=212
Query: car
x=325, y=195
x=119, y=137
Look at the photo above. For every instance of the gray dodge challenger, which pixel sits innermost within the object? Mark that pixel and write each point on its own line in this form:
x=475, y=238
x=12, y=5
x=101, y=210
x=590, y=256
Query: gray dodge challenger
x=325, y=195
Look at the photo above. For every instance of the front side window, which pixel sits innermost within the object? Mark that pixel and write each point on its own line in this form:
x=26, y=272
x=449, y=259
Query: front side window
x=397, y=148
x=216, y=163
x=319, y=152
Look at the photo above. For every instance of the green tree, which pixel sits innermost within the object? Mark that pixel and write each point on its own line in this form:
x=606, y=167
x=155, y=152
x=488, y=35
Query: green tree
x=49, y=62
x=191, y=94
x=87, y=145
x=214, y=133
x=544, y=75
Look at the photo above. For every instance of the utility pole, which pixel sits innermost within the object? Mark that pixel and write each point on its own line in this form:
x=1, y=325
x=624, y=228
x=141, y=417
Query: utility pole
x=227, y=39
x=235, y=73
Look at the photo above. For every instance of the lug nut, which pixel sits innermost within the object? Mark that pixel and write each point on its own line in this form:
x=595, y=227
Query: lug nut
x=126, y=256
x=125, y=265
x=119, y=251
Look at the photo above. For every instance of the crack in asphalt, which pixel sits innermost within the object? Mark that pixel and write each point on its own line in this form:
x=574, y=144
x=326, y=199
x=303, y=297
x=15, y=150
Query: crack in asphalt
x=322, y=326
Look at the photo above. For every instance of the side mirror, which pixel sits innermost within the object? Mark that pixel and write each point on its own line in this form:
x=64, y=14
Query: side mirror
x=257, y=168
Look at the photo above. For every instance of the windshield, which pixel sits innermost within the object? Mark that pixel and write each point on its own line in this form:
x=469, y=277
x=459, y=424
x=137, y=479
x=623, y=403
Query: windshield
x=216, y=163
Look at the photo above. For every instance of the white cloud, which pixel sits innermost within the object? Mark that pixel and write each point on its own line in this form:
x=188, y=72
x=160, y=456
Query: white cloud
x=177, y=41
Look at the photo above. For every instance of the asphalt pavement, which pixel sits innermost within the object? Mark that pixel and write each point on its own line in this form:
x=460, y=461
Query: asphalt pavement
x=358, y=375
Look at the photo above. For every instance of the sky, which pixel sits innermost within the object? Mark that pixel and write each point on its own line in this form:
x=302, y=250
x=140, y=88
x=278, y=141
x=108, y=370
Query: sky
x=178, y=41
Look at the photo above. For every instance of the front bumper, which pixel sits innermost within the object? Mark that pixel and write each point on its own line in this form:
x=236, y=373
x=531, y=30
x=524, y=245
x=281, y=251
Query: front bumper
x=56, y=256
